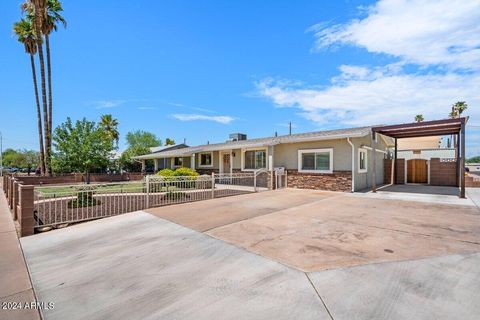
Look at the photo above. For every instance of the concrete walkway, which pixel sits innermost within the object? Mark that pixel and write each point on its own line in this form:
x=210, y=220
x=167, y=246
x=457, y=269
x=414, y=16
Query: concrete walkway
x=14, y=279
x=137, y=266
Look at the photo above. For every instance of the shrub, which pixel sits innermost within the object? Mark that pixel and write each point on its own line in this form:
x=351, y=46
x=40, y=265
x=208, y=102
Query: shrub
x=185, y=172
x=84, y=199
x=166, y=173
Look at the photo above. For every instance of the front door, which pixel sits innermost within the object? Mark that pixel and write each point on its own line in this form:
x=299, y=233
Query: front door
x=226, y=163
x=417, y=171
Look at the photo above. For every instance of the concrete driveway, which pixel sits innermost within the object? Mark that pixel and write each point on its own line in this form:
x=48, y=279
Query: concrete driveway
x=288, y=254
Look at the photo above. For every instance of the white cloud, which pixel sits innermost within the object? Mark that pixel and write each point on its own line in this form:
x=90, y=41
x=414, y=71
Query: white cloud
x=103, y=104
x=146, y=108
x=441, y=38
x=381, y=98
x=423, y=32
x=195, y=117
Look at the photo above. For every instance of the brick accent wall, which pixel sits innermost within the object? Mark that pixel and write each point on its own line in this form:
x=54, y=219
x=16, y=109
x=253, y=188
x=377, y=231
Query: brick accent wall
x=336, y=181
x=443, y=173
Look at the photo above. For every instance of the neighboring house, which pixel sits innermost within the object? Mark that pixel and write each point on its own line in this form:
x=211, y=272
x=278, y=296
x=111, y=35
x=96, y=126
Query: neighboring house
x=473, y=167
x=169, y=147
x=423, y=148
x=338, y=160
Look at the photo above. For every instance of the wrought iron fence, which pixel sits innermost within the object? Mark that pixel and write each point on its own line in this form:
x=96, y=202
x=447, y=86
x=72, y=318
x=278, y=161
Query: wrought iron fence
x=61, y=205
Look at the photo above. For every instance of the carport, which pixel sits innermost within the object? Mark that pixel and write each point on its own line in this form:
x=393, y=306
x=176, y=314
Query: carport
x=443, y=127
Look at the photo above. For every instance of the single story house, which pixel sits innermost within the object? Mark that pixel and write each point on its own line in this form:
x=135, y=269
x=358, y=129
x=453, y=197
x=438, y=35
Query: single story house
x=337, y=160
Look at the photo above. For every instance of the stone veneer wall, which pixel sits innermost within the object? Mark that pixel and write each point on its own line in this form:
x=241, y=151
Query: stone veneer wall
x=336, y=181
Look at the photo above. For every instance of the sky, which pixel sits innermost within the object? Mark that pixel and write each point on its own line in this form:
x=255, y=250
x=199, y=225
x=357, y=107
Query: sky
x=199, y=70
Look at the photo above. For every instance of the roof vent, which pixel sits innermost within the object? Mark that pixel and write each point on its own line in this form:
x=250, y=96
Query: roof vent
x=237, y=137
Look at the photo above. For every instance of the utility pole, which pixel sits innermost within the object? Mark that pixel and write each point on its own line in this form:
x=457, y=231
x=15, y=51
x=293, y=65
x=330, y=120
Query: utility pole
x=290, y=128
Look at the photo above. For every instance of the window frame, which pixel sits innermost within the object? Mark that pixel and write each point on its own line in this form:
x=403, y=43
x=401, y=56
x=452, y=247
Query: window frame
x=254, y=149
x=323, y=150
x=200, y=165
x=365, y=151
x=181, y=162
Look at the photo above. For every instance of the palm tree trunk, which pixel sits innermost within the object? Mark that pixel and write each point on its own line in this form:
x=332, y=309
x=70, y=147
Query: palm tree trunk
x=45, y=106
x=49, y=78
x=39, y=117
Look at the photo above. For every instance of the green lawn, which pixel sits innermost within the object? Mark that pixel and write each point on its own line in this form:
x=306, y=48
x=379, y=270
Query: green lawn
x=137, y=187
x=60, y=191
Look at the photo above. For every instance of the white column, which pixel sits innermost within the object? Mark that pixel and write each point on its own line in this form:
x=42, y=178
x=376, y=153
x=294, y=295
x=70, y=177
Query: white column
x=155, y=165
x=143, y=165
x=192, y=162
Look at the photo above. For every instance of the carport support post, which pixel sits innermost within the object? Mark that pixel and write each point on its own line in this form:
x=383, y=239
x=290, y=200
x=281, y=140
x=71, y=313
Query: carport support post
x=395, y=163
x=374, y=175
x=462, y=162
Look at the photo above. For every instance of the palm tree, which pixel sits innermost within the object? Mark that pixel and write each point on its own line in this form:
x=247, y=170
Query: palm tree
x=109, y=125
x=25, y=33
x=52, y=18
x=419, y=118
x=36, y=11
x=459, y=107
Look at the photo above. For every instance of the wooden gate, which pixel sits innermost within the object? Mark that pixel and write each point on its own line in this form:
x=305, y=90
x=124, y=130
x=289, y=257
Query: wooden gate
x=417, y=171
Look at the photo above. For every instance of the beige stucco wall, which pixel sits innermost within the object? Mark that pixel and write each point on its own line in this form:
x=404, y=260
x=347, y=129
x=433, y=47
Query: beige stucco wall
x=286, y=155
x=419, y=143
x=364, y=180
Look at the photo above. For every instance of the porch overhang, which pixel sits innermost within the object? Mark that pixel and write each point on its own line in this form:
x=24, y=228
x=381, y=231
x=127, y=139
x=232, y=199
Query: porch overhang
x=422, y=129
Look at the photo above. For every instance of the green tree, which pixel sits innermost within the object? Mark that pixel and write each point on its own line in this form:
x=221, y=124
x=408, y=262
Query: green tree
x=81, y=147
x=169, y=142
x=109, y=126
x=139, y=143
x=11, y=158
x=25, y=34
x=142, y=138
x=474, y=160
x=31, y=159
x=419, y=118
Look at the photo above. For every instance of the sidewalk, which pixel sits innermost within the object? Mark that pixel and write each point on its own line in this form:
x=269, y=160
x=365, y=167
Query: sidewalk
x=15, y=282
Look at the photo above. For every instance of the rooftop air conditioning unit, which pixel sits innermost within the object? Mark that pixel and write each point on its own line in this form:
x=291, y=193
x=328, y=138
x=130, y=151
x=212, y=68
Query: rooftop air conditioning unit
x=237, y=137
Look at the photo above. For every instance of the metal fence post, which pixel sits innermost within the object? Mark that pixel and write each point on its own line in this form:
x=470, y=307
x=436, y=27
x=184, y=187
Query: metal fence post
x=213, y=185
x=147, y=182
x=286, y=178
x=254, y=181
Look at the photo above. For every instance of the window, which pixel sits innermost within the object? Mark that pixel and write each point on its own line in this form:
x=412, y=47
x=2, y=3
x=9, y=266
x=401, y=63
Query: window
x=255, y=159
x=362, y=160
x=178, y=162
x=206, y=160
x=315, y=160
